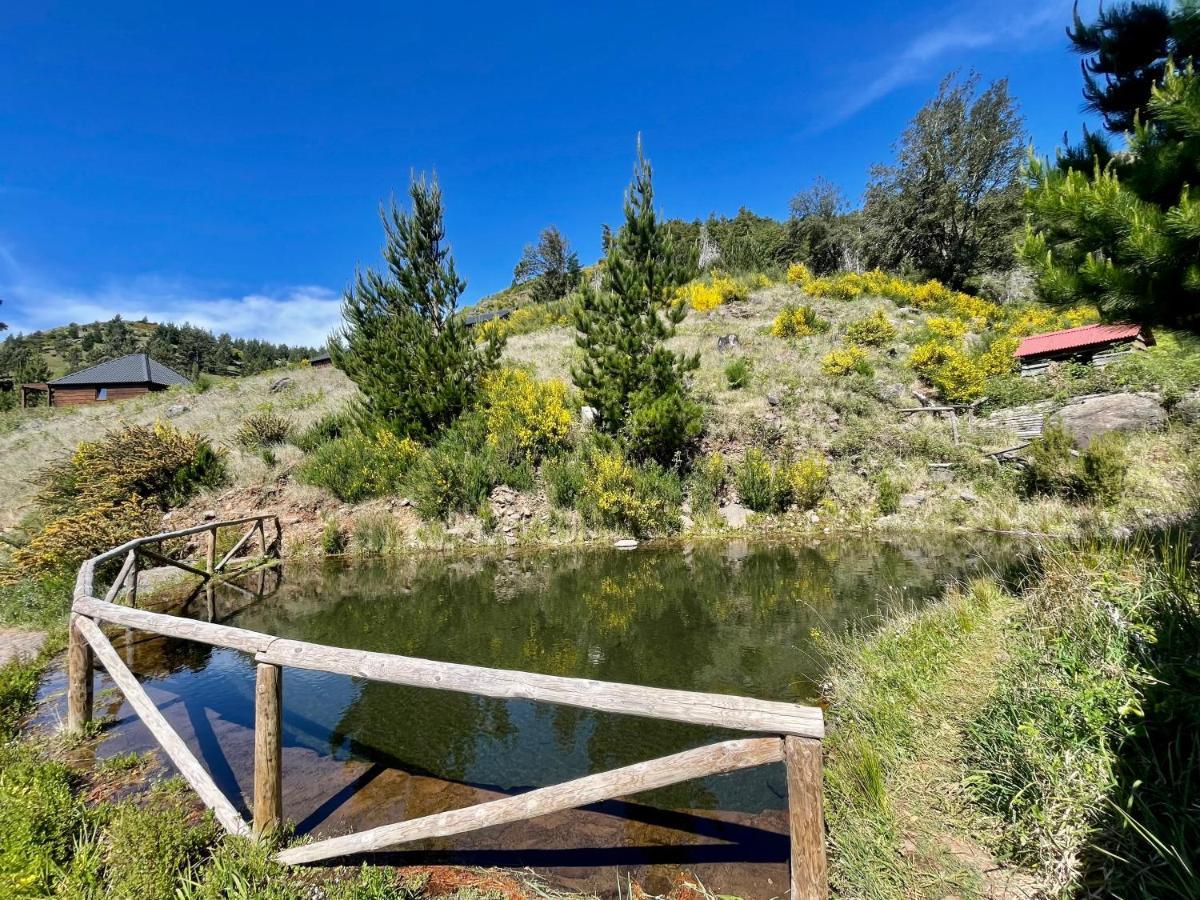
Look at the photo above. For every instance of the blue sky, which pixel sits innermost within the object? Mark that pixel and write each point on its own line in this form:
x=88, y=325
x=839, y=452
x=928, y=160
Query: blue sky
x=223, y=163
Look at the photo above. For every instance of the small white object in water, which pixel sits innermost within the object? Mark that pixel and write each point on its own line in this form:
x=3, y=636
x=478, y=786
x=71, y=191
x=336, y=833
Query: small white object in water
x=627, y=544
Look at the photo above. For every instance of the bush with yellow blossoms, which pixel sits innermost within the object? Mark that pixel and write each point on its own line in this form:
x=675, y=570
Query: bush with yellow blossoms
x=843, y=361
x=797, y=321
x=874, y=330
x=525, y=416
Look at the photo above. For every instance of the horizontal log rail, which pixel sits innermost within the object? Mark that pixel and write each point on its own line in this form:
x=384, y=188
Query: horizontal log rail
x=794, y=731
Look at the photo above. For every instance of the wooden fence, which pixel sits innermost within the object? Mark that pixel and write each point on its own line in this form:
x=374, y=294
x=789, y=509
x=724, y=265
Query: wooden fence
x=788, y=733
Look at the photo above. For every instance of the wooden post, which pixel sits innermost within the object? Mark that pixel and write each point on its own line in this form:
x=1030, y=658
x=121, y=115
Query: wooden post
x=268, y=781
x=262, y=538
x=133, y=585
x=802, y=759
x=80, y=668
x=211, y=561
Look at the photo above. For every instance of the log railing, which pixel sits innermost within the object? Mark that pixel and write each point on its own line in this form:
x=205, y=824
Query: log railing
x=789, y=733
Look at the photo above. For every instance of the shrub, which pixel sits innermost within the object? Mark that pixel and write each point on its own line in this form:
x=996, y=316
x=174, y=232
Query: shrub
x=1000, y=358
x=887, y=495
x=707, y=295
x=71, y=538
x=737, y=373
x=565, y=477
x=946, y=327
x=360, y=465
x=1104, y=468
x=707, y=481
x=765, y=488
x=333, y=538
x=460, y=471
x=957, y=377
x=797, y=321
x=375, y=534
x=329, y=427
x=263, y=429
x=871, y=331
x=1052, y=467
x=524, y=416
x=798, y=273
x=619, y=494
x=843, y=361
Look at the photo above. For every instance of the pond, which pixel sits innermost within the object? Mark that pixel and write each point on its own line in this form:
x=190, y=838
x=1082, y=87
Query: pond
x=726, y=617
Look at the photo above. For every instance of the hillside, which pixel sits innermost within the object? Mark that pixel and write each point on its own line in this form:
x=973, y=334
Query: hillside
x=54, y=352
x=887, y=469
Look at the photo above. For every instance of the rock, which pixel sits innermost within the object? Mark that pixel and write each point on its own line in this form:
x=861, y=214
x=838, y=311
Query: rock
x=1188, y=409
x=735, y=515
x=209, y=514
x=728, y=342
x=587, y=415
x=281, y=385
x=968, y=497
x=177, y=409
x=772, y=399
x=626, y=544
x=19, y=645
x=1095, y=416
x=405, y=501
x=913, y=500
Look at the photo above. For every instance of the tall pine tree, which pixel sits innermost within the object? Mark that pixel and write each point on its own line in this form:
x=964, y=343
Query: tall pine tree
x=637, y=386
x=416, y=362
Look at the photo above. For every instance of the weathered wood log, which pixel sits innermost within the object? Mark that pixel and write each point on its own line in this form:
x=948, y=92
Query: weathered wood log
x=719, y=710
x=172, y=744
x=174, y=626
x=126, y=567
x=268, y=781
x=167, y=561
x=167, y=535
x=210, y=551
x=699, y=763
x=80, y=672
x=235, y=548
x=806, y=819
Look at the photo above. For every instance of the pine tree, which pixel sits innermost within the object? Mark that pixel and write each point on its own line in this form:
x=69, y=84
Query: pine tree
x=416, y=362
x=551, y=265
x=1126, y=237
x=637, y=386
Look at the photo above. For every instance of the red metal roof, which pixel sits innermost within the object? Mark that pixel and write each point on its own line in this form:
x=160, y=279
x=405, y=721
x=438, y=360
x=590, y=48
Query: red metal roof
x=1076, y=338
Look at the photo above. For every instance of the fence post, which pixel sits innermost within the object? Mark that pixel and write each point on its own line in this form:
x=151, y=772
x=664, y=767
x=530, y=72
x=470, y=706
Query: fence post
x=268, y=786
x=211, y=559
x=802, y=759
x=80, y=668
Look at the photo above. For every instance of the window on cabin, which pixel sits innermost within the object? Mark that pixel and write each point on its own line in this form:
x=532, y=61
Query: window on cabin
x=101, y=393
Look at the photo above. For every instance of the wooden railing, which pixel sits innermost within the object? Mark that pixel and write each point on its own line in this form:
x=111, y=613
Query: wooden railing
x=789, y=733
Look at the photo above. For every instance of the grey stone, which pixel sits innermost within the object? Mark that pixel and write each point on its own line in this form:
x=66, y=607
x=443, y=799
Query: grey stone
x=281, y=385
x=1188, y=409
x=177, y=409
x=626, y=544
x=1095, y=416
x=913, y=500
x=587, y=415
x=773, y=399
x=728, y=342
x=209, y=515
x=735, y=515
x=19, y=645
x=968, y=497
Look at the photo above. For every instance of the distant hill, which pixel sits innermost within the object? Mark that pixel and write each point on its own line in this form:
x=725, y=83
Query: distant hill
x=43, y=355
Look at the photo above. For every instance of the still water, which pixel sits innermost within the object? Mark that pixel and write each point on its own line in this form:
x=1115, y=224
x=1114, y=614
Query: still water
x=735, y=617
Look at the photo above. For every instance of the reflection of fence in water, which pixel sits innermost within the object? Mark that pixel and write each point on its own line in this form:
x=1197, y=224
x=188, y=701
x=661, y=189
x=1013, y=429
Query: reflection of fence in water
x=794, y=731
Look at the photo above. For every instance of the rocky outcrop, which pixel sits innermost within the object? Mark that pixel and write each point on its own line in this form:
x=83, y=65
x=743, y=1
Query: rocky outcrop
x=1095, y=416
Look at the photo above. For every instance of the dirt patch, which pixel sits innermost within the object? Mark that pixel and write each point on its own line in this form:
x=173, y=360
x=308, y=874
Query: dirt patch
x=19, y=645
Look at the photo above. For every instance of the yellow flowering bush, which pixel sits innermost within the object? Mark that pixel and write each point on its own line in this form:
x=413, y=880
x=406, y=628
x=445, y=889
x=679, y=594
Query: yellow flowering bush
x=874, y=330
x=760, y=281
x=957, y=377
x=797, y=321
x=72, y=538
x=1000, y=357
x=843, y=361
x=361, y=464
x=621, y=495
x=524, y=414
x=804, y=481
x=946, y=327
x=798, y=273
x=767, y=488
x=928, y=356
x=706, y=295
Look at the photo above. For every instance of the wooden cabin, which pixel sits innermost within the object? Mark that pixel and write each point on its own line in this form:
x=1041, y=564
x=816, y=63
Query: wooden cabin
x=117, y=379
x=321, y=361
x=1095, y=345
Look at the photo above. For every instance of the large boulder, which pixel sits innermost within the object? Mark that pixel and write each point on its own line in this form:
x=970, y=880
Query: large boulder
x=1095, y=416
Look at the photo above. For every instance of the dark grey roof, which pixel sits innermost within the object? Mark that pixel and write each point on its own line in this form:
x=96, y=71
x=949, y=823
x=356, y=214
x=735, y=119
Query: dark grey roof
x=480, y=317
x=136, y=368
x=321, y=357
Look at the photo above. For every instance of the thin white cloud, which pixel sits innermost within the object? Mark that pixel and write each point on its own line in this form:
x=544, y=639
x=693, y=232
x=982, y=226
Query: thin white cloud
x=302, y=315
x=984, y=27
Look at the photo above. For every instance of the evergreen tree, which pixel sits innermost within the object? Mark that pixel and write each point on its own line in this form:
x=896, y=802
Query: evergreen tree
x=1126, y=237
x=551, y=265
x=415, y=361
x=950, y=206
x=637, y=386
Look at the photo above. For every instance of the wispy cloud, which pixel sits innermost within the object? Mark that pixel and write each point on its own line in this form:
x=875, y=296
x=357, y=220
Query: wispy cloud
x=302, y=314
x=985, y=26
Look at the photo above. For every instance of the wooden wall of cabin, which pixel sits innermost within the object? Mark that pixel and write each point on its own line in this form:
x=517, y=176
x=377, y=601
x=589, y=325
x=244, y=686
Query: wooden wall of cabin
x=82, y=396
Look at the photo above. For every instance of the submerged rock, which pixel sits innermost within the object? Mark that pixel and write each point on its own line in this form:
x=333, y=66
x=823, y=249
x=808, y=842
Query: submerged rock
x=626, y=544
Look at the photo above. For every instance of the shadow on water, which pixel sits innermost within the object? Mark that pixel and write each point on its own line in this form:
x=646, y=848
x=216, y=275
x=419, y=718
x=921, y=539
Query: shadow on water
x=725, y=617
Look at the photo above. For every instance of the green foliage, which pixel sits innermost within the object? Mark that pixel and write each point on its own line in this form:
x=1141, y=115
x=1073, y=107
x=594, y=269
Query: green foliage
x=636, y=384
x=360, y=465
x=417, y=364
x=330, y=426
x=375, y=534
x=796, y=321
x=767, y=488
x=1124, y=236
x=737, y=373
x=842, y=361
x=38, y=603
x=333, y=538
x=874, y=330
x=565, y=477
x=1105, y=465
x=264, y=428
x=706, y=483
x=887, y=495
x=643, y=498
x=1056, y=467
x=552, y=267
x=950, y=203
x=18, y=690
x=823, y=234
x=459, y=473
